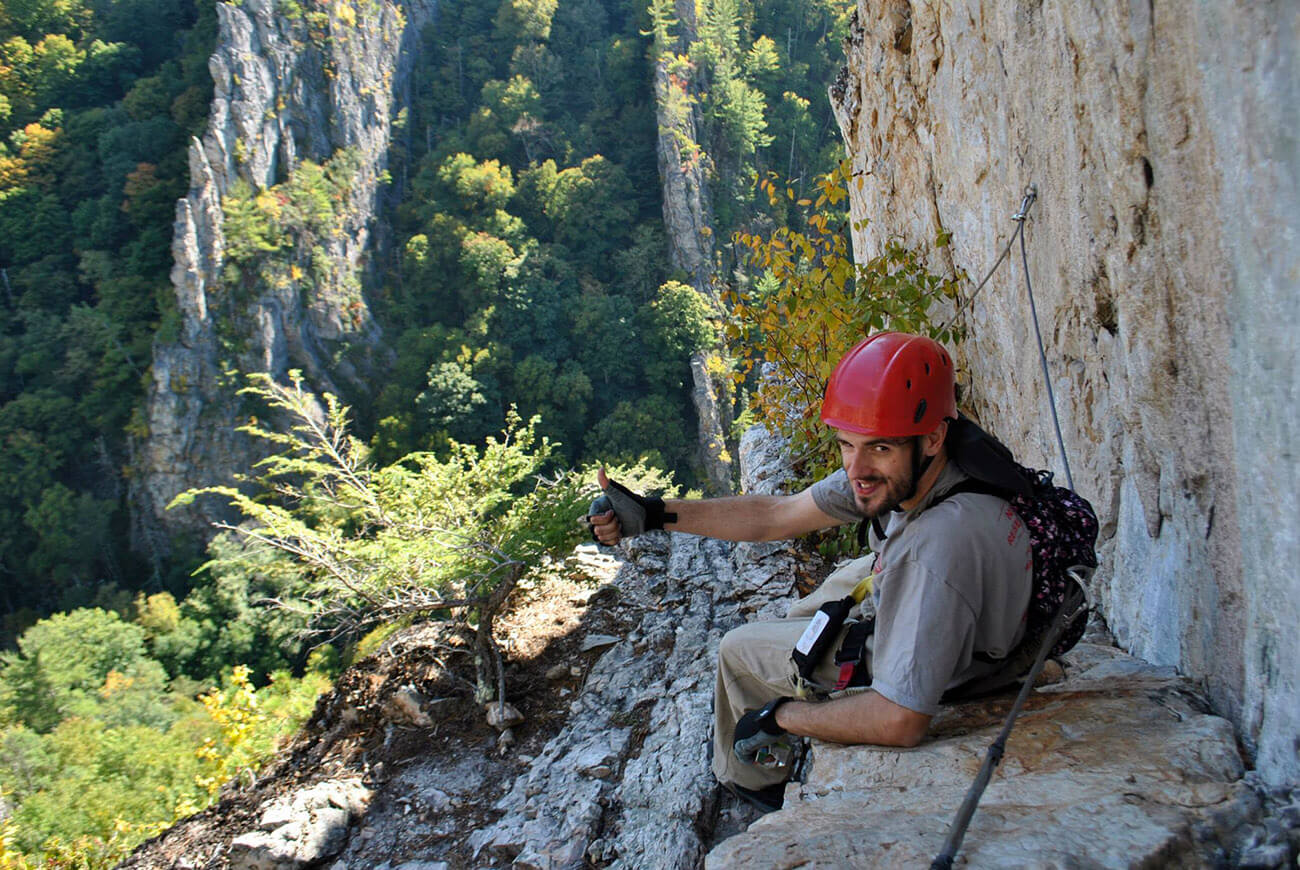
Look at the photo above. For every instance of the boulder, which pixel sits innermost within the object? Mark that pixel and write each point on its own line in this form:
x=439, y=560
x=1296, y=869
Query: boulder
x=406, y=707
x=302, y=828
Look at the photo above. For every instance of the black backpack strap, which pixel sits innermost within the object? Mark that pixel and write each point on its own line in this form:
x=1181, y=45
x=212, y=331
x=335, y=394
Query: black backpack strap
x=874, y=525
x=984, y=457
x=970, y=484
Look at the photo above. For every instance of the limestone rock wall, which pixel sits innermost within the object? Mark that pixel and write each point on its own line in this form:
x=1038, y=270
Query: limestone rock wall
x=286, y=88
x=688, y=220
x=1161, y=138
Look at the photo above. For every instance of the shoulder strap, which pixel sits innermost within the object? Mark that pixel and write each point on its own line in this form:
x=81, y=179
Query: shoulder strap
x=985, y=458
x=979, y=487
x=875, y=526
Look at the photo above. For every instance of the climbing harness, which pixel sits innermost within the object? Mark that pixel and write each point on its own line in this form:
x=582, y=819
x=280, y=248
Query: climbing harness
x=1075, y=603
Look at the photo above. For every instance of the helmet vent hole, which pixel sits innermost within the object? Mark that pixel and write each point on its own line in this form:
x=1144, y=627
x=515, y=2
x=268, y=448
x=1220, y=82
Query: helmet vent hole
x=920, y=412
x=927, y=368
x=909, y=385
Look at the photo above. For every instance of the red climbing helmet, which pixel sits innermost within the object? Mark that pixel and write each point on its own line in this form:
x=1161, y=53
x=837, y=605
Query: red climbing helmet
x=891, y=385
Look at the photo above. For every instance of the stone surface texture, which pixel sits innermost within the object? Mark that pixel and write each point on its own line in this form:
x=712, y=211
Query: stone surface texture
x=279, y=98
x=688, y=220
x=303, y=828
x=627, y=782
x=1119, y=766
x=1164, y=260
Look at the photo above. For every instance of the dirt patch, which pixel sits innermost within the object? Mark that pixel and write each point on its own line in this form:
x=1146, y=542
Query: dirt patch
x=432, y=784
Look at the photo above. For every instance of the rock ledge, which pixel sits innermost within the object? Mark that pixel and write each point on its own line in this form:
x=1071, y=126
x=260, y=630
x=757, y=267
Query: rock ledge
x=1119, y=765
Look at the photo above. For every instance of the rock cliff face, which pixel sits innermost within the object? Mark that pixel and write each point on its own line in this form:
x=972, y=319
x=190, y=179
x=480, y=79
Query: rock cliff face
x=627, y=782
x=689, y=223
x=1164, y=260
x=288, y=87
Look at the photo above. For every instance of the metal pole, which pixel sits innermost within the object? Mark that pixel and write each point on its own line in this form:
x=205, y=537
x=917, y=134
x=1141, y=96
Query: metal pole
x=1071, y=609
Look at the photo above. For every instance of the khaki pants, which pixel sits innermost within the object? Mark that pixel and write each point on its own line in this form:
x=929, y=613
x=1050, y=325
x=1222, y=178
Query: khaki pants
x=754, y=667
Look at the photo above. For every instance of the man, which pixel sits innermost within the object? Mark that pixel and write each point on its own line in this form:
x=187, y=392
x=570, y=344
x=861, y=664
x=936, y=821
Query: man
x=951, y=584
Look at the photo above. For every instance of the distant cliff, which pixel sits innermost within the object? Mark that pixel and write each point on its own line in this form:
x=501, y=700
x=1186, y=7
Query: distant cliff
x=688, y=220
x=1162, y=249
x=289, y=86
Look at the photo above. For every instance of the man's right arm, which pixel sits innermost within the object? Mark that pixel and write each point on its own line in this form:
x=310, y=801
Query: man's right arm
x=749, y=517
x=732, y=518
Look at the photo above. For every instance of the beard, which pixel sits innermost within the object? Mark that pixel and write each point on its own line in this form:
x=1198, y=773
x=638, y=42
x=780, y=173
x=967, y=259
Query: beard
x=888, y=496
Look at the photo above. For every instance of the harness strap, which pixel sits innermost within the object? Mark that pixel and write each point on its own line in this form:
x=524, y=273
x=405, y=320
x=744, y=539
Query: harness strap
x=851, y=656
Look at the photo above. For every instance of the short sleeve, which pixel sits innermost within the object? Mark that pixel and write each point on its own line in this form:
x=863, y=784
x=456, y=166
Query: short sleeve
x=834, y=497
x=925, y=629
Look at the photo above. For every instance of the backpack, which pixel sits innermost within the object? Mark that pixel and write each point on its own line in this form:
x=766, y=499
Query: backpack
x=1062, y=525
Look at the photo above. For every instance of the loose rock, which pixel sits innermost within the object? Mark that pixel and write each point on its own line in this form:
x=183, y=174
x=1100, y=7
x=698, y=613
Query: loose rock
x=406, y=706
x=598, y=641
x=502, y=716
x=305, y=827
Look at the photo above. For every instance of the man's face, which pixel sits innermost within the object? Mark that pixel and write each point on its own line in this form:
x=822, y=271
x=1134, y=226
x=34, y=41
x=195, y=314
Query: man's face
x=879, y=470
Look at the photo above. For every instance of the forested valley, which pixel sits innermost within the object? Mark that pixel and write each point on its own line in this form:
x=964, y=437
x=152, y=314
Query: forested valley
x=537, y=318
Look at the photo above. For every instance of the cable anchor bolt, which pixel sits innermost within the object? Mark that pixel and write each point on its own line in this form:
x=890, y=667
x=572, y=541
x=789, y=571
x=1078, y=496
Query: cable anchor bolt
x=1031, y=194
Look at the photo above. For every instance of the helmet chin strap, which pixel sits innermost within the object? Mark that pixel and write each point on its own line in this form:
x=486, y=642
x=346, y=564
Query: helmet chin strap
x=920, y=465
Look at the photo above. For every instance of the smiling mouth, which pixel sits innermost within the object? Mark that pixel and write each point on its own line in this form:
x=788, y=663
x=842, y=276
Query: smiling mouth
x=865, y=488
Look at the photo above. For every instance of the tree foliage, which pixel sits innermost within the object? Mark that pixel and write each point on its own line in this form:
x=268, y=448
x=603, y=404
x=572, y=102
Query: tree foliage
x=97, y=101
x=808, y=302
x=529, y=268
x=534, y=196
x=525, y=215
x=423, y=535
x=753, y=78
x=98, y=752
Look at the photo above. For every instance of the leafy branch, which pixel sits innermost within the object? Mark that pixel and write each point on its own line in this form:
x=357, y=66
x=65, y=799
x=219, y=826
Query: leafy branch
x=424, y=535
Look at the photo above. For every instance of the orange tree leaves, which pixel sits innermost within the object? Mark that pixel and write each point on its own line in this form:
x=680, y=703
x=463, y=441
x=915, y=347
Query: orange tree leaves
x=807, y=302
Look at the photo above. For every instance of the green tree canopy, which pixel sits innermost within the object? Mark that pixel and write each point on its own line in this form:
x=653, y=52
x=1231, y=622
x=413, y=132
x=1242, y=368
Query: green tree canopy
x=88, y=662
x=678, y=323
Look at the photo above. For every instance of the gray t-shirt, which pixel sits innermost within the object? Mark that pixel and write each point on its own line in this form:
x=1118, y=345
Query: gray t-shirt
x=951, y=581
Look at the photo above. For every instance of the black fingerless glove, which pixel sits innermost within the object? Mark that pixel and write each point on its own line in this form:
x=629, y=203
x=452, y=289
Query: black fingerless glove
x=636, y=513
x=756, y=732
